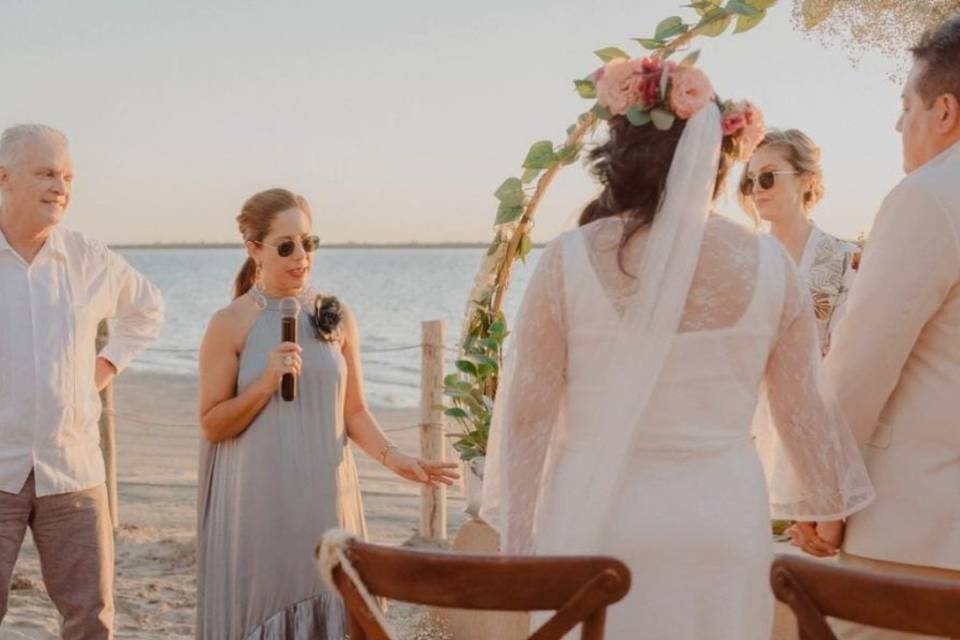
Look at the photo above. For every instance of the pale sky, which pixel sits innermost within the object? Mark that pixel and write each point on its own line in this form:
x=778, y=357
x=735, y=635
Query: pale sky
x=397, y=120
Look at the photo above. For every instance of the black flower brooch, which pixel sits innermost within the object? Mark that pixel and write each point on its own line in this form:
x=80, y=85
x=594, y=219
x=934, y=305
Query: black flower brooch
x=327, y=318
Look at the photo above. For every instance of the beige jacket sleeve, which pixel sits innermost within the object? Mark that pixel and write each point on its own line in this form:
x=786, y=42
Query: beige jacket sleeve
x=911, y=261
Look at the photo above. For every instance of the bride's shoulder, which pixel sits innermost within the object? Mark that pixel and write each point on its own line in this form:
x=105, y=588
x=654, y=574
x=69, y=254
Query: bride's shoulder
x=731, y=234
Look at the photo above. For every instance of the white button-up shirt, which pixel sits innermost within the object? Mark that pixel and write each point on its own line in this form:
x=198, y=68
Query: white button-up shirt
x=49, y=313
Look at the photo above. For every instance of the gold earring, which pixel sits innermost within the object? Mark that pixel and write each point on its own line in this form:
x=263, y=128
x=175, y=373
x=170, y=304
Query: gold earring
x=258, y=279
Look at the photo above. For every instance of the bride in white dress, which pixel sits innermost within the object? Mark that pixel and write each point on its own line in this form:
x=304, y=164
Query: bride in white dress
x=622, y=424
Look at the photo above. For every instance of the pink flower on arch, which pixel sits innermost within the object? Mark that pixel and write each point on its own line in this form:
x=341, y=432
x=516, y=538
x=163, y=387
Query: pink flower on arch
x=623, y=83
x=690, y=91
x=733, y=121
x=744, y=120
x=753, y=131
x=653, y=69
x=617, y=86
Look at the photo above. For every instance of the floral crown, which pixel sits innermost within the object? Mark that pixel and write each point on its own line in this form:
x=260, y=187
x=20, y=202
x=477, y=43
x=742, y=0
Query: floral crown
x=653, y=91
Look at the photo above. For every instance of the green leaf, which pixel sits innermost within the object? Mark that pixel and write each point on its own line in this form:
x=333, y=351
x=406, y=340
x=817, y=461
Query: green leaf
x=568, y=154
x=451, y=380
x=611, y=53
x=491, y=344
x=745, y=23
x=467, y=450
x=510, y=192
x=525, y=246
x=714, y=23
x=540, y=156
x=456, y=412
x=585, y=89
x=529, y=175
x=459, y=395
x=740, y=7
x=650, y=44
x=482, y=359
x=601, y=112
x=662, y=119
x=467, y=367
x=506, y=213
x=498, y=330
x=691, y=59
x=672, y=26
x=761, y=4
x=637, y=116
x=704, y=6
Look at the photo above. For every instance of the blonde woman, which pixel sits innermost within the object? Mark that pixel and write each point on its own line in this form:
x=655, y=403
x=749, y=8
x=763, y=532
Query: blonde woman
x=781, y=185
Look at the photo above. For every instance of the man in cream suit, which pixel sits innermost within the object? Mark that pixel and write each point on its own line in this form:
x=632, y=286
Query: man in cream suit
x=895, y=361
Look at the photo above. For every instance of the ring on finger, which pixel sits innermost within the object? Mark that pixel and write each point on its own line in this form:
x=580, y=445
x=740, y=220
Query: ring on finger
x=287, y=361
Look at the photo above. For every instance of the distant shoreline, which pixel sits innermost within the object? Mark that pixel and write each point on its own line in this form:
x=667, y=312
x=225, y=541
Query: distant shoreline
x=348, y=245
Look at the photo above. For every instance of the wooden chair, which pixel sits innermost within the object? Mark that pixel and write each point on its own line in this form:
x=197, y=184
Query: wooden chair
x=816, y=590
x=579, y=589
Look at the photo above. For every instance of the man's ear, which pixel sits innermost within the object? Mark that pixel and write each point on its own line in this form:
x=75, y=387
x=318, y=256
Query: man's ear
x=949, y=117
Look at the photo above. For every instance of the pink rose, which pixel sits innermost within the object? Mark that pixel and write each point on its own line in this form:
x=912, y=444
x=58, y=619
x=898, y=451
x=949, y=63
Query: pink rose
x=753, y=131
x=624, y=83
x=652, y=69
x=617, y=86
x=690, y=91
x=733, y=122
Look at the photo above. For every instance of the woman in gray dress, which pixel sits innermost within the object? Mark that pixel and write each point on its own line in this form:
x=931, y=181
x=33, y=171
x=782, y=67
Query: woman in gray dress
x=274, y=475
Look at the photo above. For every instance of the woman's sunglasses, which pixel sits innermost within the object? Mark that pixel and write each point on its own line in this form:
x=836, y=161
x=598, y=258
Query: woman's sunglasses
x=285, y=249
x=765, y=181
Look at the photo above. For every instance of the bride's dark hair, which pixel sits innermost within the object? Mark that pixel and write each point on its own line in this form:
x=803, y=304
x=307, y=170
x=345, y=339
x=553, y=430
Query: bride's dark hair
x=632, y=165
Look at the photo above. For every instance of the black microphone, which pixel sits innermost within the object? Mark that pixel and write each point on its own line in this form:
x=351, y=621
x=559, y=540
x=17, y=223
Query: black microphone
x=289, y=310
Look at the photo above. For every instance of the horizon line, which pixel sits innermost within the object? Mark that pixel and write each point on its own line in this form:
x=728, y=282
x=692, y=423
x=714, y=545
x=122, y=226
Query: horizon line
x=334, y=245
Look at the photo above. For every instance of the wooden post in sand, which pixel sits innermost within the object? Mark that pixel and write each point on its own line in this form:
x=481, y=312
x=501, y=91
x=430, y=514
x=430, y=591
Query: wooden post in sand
x=433, y=502
x=108, y=432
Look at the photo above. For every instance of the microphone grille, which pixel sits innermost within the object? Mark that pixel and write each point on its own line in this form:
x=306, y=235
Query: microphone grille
x=289, y=307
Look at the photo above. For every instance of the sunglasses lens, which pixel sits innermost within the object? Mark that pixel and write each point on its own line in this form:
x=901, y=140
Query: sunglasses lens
x=285, y=248
x=766, y=179
x=746, y=187
x=311, y=244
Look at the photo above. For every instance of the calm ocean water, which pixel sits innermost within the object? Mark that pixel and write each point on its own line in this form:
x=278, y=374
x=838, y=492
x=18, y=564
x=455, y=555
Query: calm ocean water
x=390, y=290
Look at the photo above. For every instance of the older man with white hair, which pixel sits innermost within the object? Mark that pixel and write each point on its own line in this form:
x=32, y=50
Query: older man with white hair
x=55, y=287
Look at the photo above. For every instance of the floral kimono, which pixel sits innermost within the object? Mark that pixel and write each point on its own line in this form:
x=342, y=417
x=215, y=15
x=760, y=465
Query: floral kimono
x=829, y=265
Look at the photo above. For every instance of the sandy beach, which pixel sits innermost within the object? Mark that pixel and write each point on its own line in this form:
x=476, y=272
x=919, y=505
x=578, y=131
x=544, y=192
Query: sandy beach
x=155, y=587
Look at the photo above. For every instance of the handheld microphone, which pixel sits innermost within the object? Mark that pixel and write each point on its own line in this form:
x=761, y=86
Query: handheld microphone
x=289, y=310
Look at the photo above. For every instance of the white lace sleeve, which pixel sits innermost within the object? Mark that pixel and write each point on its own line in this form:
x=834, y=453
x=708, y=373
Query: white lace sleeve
x=527, y=407
x=817, y=472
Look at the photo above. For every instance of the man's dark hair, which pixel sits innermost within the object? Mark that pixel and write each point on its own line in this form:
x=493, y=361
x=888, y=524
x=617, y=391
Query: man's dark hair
x=939, y=51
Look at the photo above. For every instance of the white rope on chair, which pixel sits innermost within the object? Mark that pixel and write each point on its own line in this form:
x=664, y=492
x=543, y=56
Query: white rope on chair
x=333, y=553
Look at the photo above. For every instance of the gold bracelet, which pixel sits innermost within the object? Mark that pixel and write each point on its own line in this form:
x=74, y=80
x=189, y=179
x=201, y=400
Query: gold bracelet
x=385, y=451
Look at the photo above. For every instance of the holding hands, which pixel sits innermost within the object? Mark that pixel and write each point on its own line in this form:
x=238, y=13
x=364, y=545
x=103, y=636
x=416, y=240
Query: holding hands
x=820, y=539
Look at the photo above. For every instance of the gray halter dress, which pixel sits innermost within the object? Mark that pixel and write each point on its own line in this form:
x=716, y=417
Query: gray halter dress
x=266, y=497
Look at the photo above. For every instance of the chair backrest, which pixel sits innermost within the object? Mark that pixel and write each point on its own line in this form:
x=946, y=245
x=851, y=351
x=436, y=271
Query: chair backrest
x=816, y=590
x=579, y=589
